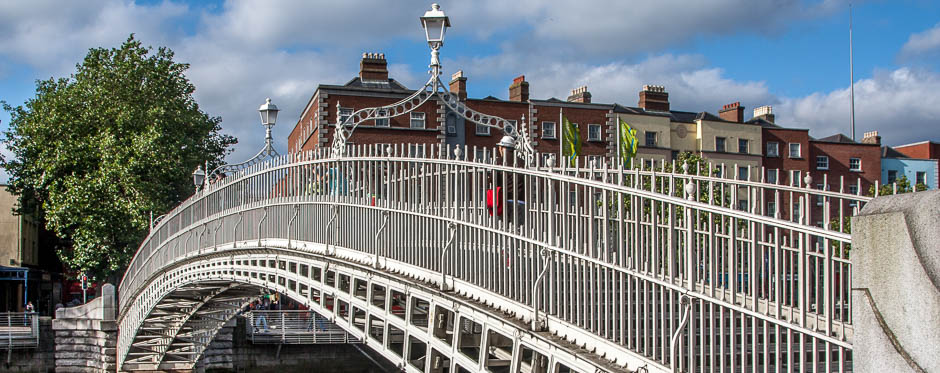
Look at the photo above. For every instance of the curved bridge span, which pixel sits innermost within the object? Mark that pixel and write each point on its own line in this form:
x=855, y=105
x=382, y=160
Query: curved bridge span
x=599, y=269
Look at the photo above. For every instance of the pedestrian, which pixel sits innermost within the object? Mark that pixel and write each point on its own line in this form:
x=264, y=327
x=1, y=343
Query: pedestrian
x=507, y=186
x=30, y=307
x=261, y=320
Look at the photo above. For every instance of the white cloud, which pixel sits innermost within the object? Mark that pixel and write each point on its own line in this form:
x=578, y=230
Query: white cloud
x=902, y=105
x=52, y=36
x=921, y=44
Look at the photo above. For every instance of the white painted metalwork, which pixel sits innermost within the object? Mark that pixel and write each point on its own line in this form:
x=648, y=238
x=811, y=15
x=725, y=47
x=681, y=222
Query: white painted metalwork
x=19, y=330
x=435, y=24
x=292, y=327
x=622, y=247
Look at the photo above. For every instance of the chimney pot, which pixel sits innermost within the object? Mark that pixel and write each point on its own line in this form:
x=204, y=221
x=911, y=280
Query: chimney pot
x=458, y=85
x=765, y=112
x=519, y=90
x=373, y=67
x=580, y=94
x=732, y=112
x=871, y=137
x=654, y=98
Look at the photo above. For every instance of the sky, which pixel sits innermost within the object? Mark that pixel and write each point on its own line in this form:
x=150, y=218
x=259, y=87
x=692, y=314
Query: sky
x=791, y=54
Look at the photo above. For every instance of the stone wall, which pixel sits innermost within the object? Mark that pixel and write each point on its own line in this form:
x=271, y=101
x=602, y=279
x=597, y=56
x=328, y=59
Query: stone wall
x=896, y=284
x=40, y=359
x=85, y=336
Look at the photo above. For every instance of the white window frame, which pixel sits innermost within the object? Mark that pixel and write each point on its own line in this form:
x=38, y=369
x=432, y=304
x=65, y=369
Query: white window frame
x=548, y=130
x=724, y=144
x=598, y=129
x=799, y=150
x=416, y=117
x=746, y=147
x=482, y=130
x=344, y=113
x=776, y=175
x=797, y=214
x=857, y=169
x=382, y=119
x=917, y=177
x=776, y=149
x=822, y=162
x=796, y=176
x=646, y=140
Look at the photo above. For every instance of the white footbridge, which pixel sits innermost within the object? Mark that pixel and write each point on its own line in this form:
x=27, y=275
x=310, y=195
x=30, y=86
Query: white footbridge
x=601, y=269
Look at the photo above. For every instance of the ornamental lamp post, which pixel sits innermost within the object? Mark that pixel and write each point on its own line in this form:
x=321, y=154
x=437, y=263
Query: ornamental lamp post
x=435, y=24
x=268, y=113
x=199, y=177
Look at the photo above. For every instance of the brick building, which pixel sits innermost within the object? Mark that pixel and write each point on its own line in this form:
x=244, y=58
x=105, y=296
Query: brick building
x=756, y=149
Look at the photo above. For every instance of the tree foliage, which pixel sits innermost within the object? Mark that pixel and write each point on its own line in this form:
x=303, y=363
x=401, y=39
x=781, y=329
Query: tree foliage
x=100, y=150
x=903, y=186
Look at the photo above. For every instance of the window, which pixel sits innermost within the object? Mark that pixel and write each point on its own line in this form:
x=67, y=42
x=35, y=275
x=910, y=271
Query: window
x=797, y=213
x=594, y=132
x=772, y=176
x=743, y=173
x=417, y=120
x=382, y=120
x=795, y=179
x=481, y=155
x=771, y=208
x=892, y=176
x=795, y=150
x=416, y=150
x=855, y=164
x=822, y=162
x=511, y=127
x=773, y=149
x=720, y=144
x=548, y=130
x=820, y=199
x=647, y=164
x=742, y=204
x=853, y=189
x=451, y=124
x=742, y=146
x=651, y=139
x=482, y=130
x=920, y=178
x=344, y=114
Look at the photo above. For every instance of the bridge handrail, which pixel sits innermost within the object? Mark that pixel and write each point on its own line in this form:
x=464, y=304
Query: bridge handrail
x=615, y=199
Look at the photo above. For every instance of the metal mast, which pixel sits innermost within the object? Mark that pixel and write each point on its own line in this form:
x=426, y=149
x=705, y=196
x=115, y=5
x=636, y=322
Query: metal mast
x=851, y=75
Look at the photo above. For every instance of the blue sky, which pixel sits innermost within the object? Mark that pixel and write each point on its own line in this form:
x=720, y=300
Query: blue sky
x=792, y=54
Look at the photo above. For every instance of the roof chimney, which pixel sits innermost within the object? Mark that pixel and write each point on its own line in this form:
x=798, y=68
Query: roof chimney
x=654, y=98
x=373, y=68
x=580, y=94
x=871, y=137
x=732, y=112
x=458, y=85
x=519, y=90
x=765, y=112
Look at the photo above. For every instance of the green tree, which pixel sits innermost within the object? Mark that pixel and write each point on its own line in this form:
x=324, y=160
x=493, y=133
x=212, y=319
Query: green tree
x=903, y=186
x=100, y=150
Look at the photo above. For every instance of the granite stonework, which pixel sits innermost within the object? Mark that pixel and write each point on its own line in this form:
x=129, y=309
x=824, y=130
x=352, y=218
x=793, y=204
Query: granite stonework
x=896, y=276
x=86, y=335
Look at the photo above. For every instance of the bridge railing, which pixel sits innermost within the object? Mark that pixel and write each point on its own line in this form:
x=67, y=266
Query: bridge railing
x=627, y=255
x=292, y=327
x=19, y=330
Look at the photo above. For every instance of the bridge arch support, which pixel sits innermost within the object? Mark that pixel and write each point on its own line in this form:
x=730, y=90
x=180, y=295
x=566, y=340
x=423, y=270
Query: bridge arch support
x=411, y=323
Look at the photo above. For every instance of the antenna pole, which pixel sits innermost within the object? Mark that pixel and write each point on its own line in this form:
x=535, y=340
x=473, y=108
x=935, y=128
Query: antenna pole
x=851, y=75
